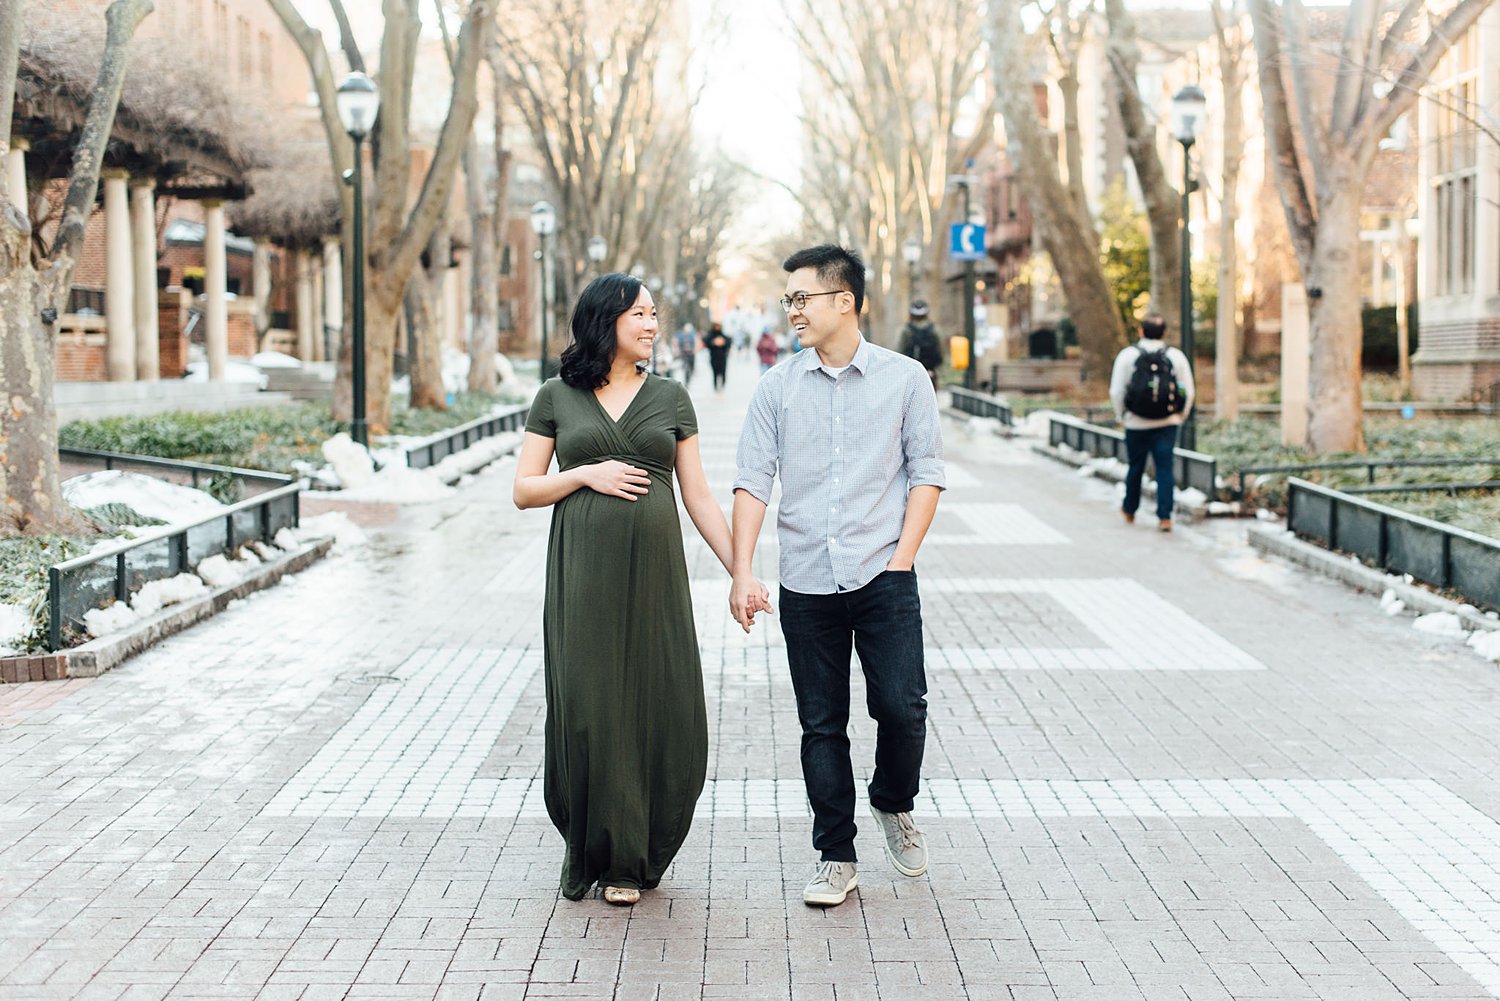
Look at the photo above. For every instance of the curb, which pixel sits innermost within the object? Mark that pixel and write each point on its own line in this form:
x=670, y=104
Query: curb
x=1195, y=512
x=97, y=656
x=1347, y=570
x=996, y=428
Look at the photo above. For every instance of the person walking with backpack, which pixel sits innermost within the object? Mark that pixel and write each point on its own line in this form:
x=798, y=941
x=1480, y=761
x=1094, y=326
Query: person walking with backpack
x=1152, y=392
x=919, y=340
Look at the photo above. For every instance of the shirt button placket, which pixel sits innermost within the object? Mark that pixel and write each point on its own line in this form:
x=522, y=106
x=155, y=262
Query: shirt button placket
x=834, y=493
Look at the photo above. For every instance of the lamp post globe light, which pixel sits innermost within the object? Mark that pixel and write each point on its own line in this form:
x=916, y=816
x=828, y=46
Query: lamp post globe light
x=358, y=102
x=543, y=224
x=1188, y=106
x=598, y=251
x=911, y=252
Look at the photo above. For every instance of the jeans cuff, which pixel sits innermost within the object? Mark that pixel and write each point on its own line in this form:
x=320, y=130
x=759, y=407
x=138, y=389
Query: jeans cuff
x=844, y=853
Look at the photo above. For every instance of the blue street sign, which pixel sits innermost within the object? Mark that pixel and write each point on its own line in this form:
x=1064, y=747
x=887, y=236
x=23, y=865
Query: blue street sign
x=966, y=242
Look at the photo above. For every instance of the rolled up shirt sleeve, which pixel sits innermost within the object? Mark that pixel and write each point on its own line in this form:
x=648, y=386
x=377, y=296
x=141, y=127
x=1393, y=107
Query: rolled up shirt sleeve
x=755, y=460
x=922, y=436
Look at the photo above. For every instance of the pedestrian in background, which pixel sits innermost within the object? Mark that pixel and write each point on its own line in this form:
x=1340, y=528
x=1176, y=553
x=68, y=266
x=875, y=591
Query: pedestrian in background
x=718, y=346
x=687, y=351
x=767, y=349
x=852, y=430
x=1152, y=392
x=626, y=728
x=919, y=340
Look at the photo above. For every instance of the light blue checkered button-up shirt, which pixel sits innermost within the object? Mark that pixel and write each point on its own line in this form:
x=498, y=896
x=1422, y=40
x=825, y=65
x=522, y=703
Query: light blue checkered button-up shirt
x=848, y=448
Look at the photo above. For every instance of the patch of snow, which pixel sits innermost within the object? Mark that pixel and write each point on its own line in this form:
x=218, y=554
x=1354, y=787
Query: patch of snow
x=15, y=623
x=351, y=462
x=1486, y=642
x=234, y=371
x=103, y=621
x=1390, y=604
x=220, y=571
x=1262, y=514
x=145, y=495
x=505, y=370
x=248, y=556
x=1439, y=624
x=275, y=359
x=481, y=453
x=1222, y=508
x=400, y=485
x=1192, y=497
x=1037, y=424
x=335, y=525
x=159, y=593
x=265, y=552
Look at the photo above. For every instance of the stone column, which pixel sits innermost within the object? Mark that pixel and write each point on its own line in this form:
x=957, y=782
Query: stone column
x=333, y=297
x=317, y=307
x=143, y=231
x=305, y=310
x=15, y=173
x=260, y=285
x=119, y=281
x=215, y=290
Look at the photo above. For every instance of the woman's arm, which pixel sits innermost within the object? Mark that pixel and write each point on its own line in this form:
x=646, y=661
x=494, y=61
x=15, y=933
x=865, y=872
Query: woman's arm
x=535, y=487
x=707, y=516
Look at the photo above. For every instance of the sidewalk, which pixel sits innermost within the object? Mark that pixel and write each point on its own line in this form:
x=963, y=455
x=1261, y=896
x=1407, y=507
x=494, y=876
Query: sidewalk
x=1158, y=767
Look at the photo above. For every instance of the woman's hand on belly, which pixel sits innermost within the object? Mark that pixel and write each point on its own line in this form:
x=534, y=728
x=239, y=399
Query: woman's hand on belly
x=614, y=478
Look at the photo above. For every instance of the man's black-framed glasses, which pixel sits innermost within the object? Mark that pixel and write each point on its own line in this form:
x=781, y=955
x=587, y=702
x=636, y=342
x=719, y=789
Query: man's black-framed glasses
x=799, y=299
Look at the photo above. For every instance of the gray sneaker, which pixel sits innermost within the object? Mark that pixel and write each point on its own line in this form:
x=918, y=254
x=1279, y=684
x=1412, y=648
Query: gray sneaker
x=830, y=884
x=904, y=844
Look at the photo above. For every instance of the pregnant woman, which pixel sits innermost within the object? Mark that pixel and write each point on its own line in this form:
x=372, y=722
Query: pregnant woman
x=627, y=732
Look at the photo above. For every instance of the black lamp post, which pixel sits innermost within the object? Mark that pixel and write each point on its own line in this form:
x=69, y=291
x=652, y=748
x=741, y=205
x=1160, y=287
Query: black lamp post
x=543, y=224
x=358, y=102
x=1187, y=116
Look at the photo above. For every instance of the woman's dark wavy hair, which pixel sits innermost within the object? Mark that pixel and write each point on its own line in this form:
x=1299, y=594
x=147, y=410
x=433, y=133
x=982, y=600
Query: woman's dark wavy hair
x=586, y=361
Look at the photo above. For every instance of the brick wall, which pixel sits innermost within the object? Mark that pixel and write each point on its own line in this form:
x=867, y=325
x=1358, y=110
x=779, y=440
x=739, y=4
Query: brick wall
x=82, y=358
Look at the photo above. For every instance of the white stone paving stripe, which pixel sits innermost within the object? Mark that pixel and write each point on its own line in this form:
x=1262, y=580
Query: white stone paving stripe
x=995, y=524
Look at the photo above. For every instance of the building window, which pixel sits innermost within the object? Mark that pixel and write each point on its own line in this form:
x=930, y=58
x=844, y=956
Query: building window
x=221, y=25
x=1454, y=180
x=265, y=59
x=505, y=320
x=246, y=50
x=505, y=260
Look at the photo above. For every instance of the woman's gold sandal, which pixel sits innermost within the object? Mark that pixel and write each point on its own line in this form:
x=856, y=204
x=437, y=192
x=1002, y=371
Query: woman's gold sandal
x=623, y=896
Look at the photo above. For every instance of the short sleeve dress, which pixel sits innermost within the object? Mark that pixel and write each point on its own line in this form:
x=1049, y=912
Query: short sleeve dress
x=626, y=730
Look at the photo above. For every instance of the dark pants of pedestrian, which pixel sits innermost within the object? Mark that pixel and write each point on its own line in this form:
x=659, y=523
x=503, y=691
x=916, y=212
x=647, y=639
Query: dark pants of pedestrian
x=1155, y=444
x=883, y=622
x=720, y=368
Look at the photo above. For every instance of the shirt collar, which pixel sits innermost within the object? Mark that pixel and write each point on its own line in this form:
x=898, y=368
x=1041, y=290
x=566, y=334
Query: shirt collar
x=860, y=364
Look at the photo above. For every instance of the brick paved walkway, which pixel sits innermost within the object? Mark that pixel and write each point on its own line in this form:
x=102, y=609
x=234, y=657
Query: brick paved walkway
x=1268, y=790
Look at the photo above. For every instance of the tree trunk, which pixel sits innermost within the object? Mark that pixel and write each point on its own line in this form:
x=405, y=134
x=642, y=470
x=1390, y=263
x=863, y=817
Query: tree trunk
x=1073, y=142
x=427, y=390
x=1227, y=323
x=1336, y=421
x=484, y=275
x=382, y=311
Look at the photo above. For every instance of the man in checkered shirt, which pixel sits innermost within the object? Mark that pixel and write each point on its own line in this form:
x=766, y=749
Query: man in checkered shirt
x=852, y=430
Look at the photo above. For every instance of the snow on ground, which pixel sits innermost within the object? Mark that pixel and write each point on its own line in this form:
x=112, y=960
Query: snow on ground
x=1439, y=624
x=1486, y=642
x=400, y=485
x=275, y=359
x=1037, y=424
x=103, y=621
x=351, y=462
x=479, y=454
x=156, y=595
x=145, y=495
x=234, y=371
x=15, y=623
x=1390, y=604
x=335, y=524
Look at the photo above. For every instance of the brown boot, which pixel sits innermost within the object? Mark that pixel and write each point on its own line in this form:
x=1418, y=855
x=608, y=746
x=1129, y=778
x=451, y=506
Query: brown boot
x=1165, y=525
x=1129, y=518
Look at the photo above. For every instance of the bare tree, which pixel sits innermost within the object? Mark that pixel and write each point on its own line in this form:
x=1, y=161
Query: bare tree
x=33, y=294
x=890, y=126
x=398, y=230
x=1322, y=158
x=485, y=189
x=1069, y=240
x=1162, y=200
x=1232, y=44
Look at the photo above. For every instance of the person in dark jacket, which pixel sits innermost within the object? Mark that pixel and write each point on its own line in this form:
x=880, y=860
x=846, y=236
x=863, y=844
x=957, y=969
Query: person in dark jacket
x=919, y=340
x=718, y=345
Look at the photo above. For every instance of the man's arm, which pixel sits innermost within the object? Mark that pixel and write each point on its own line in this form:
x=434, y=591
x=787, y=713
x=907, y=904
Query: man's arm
x=756, y=462
x=921, y=505
x=747, y=595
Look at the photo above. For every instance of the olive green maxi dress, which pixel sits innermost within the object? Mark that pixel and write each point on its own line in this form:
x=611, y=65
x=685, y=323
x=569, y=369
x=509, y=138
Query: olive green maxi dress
x=627, y=731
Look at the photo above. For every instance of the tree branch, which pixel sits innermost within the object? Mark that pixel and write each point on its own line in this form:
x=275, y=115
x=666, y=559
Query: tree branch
x=346, y=37
x=1291, y=182
x=1417, y=72
x=1350, y=84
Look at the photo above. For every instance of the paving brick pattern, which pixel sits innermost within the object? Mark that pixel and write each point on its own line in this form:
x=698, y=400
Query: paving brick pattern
x=1158, y=768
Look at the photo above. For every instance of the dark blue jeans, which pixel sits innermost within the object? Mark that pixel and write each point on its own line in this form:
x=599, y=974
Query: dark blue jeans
x=883, y=622
x=1156, y=444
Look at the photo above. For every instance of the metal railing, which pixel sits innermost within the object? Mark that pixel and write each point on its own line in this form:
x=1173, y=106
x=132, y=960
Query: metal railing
x=250, y=481
x=1189, y=468
x=439, y=447
x=1368, y=465
x=1397, y=542
x=80, y=585
x=981, y=405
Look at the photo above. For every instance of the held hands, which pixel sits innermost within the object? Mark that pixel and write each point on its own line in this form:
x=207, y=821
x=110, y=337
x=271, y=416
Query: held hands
x=747, y=596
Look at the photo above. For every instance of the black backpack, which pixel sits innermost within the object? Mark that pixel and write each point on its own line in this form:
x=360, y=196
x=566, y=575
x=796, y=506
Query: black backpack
x=1153, y=391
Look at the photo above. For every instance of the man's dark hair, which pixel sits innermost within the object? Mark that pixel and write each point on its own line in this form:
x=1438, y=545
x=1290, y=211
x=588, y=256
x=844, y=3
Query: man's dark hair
x=837, y=268
x=585, y=363
x=1154, y=327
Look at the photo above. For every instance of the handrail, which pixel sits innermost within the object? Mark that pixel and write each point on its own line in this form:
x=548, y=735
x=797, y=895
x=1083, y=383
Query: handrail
x=1368, y=465
x=181, y=465
x=1191, y=468
x=178, y=536
x=459, y=438
x=1396, y=540
x=982, y=405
